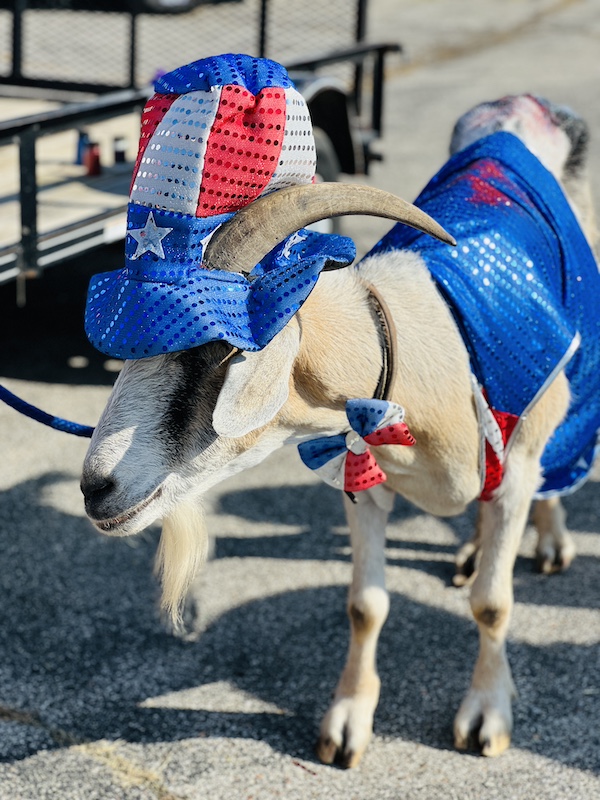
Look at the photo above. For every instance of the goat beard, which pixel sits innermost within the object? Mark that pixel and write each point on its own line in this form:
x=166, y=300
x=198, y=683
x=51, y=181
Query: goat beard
x=181, y=553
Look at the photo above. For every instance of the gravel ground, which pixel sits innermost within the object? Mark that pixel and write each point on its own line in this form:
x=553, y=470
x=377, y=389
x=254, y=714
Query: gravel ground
x=99, y=700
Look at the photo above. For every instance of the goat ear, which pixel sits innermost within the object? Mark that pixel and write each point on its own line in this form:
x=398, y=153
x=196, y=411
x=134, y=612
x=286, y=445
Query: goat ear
x=256, y=386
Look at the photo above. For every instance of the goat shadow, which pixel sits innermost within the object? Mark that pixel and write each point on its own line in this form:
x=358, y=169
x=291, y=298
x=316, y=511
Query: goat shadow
x=82, y=651
x=317, y=511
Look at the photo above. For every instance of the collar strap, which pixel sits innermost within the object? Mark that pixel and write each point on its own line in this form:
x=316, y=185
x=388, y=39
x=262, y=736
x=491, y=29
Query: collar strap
x=388, y=344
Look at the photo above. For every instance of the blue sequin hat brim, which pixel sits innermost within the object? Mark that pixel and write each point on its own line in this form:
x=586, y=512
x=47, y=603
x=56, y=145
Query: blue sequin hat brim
x=165, y=301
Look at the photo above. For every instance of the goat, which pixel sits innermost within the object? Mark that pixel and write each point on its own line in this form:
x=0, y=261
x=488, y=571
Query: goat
x=177, y=424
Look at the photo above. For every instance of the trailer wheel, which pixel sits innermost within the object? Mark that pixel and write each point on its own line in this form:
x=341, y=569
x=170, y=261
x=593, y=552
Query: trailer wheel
x=328, y=169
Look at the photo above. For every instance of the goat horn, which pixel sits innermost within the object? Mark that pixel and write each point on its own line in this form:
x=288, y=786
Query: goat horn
x=241, y=242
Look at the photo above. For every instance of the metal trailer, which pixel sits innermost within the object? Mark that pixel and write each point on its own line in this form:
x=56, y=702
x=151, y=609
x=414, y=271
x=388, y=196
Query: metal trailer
x=347, y=113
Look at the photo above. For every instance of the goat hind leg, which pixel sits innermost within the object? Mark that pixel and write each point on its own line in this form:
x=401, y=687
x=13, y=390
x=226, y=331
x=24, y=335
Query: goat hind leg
x=467, y=557
x=555, y=547
x=554, y=552
x=347, y=726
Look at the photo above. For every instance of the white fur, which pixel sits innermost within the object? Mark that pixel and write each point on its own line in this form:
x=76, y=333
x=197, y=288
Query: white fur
x=181, y=552
x=256, y=386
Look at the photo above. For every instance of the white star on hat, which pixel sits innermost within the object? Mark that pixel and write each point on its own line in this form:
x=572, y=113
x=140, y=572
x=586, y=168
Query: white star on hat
x=149, y=238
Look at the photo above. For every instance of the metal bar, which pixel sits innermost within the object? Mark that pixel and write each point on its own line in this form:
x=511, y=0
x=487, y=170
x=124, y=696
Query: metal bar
x=112, y=105
x=72, y=250
x=361, y=20
x=17, y=37
x=25, y=90
x=27, y=259
x=56, y=239
x=57, y=85
x=132, y=49
x=9, y=275
x=91, y=225
x=359, y=70
x=358, y=53
x=66, y=241
x=26, y=131
x=355, y=53
x=262, y=29
x=377, y=97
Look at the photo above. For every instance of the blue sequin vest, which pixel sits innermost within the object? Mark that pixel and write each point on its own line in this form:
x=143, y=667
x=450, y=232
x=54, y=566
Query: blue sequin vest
x=523, y=287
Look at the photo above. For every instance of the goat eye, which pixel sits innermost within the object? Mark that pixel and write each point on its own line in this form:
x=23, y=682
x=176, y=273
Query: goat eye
x=202, y=359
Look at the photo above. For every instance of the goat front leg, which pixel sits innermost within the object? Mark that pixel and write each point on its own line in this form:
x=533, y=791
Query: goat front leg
x=486, y=709
x=486, y=713
x=348, y=724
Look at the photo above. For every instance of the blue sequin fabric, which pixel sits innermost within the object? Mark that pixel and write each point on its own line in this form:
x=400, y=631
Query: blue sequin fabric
x=217, y=134
x=149, y=308
x=523, y=286
x=229, y=69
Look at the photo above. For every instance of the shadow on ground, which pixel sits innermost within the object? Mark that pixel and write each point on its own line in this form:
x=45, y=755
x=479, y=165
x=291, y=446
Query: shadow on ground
x=318, y=511
x=39, y=341
x=82, y=648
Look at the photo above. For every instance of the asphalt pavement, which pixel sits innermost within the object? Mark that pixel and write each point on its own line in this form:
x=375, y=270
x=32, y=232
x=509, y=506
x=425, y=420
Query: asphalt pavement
x=100, y=701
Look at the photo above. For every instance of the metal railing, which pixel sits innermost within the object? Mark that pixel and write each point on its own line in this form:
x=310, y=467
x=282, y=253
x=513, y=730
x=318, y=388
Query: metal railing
x=34, y=251
x=111, y=48
x=357, y=55
x=362, y=60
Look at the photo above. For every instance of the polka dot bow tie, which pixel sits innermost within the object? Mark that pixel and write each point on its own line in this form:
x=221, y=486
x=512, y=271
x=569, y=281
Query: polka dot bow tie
x=345, y=460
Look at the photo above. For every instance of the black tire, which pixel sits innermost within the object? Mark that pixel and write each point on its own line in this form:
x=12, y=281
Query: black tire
x=328, y=169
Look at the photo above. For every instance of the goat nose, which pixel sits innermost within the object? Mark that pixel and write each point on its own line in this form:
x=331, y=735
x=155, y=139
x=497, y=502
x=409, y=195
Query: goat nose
x=96, y=488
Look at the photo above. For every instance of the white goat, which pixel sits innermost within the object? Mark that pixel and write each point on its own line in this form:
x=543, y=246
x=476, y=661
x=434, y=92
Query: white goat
x=177, y=424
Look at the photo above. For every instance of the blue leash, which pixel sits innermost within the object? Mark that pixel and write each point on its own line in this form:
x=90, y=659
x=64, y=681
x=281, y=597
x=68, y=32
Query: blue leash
x=38, y=415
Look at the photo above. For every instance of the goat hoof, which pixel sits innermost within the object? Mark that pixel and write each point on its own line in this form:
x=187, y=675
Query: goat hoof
x=489, y=746
x=346, y=731
x=328, y=752
x=460, y=579
x=554, y=552
x=550, y=560
x=349, y=759
x=466, y=565
x=479, y=725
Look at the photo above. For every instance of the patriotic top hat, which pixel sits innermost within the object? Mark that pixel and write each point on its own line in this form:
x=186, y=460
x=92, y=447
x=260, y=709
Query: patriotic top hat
x=216, y=135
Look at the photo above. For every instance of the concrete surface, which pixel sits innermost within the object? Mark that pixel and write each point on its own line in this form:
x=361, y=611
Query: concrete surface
x=99, y=701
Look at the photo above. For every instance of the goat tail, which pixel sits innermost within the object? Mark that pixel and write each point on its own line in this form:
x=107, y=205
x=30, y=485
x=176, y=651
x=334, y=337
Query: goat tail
x=182, y=551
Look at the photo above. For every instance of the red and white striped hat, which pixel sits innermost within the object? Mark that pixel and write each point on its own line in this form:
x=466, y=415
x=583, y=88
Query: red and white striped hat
x=216, y=135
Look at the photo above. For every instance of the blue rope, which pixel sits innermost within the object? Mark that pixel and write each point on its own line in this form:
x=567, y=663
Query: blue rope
x=38, y=415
